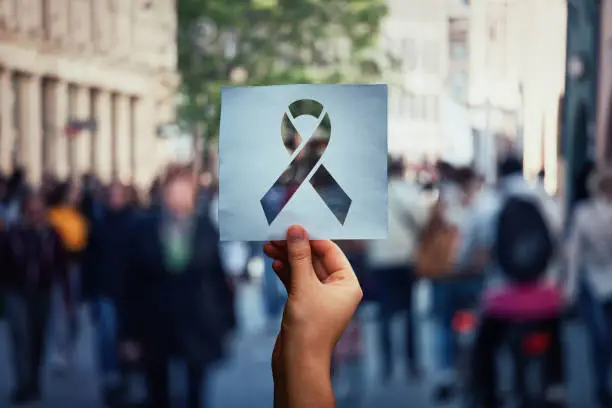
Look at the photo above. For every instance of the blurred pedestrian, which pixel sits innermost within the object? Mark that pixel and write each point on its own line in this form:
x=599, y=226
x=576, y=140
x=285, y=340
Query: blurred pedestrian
x=235, y=255
x=581, y=183
x=459, y=188
x=348, y=359
x=5, y=205
x=513, y=294
x=13, y=195
x=33, y=259
x=590, y=271
x=133, y=197
x=91, y=203
x=177, y=298
x=273, y=293
x=392, y=262
x=67, y=219
x=155, y=200
x=47, y=185
x=106, y=266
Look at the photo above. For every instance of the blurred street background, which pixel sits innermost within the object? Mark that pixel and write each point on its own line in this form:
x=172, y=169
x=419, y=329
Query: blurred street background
x=109, y=126
x=245, y=380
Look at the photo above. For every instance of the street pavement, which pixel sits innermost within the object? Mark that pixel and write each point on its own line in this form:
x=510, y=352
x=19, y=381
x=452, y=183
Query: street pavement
x=245, y=381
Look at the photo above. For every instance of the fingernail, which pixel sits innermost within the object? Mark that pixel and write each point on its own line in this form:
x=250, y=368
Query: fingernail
x=296, y=234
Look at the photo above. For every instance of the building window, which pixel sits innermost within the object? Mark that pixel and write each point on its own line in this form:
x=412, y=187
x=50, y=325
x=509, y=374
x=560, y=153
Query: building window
x=413, y=104
x=133, y=129
x=15, y=79
x=47, y=19
x=431, y=108
x=430, y=56
x=93, y=115
x=113, y=124
x=409, y=54
x=15, y=83
x=72, y=112
x=458, y=85
x=458, y=51
x=419, y=107
x=405, y=102
x=47, y=122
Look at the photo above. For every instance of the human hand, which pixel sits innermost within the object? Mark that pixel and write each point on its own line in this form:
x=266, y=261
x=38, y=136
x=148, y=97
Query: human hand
x=323, y=292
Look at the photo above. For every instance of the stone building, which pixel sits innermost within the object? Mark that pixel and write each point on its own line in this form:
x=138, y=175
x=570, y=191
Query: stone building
x=111, y=61
x=517, y=77
x=416, y=32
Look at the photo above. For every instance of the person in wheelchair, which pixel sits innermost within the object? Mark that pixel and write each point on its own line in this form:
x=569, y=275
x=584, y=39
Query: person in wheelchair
x=515, y=240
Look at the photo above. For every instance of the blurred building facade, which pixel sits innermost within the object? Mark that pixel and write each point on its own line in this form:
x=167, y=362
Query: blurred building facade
x=517, y=77
x=458, y=143
x=581, y=89
x=493, y=67
x=416, y=33
x=112, y=61
x=459, y=17
x=604, y=96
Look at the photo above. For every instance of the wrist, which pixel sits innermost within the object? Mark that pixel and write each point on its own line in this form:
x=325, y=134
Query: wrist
x=307, y=349
x=305, y=380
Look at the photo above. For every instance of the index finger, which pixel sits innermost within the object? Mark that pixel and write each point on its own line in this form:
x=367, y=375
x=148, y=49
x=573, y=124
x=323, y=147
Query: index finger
x=330, y=255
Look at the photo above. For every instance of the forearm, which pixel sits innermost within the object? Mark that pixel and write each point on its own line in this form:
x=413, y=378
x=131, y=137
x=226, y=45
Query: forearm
x=305, y=378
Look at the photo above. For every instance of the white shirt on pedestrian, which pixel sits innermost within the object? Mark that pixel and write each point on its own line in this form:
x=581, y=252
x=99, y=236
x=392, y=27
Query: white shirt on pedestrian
x=590, y=249
x=407, y=213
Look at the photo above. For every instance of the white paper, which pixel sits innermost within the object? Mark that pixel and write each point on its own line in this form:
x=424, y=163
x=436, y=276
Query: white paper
x=252, y=156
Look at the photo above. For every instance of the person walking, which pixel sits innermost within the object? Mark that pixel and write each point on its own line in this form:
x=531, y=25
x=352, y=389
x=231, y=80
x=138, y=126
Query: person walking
x=67, y=219
x=106, y=262
x=590, y=272
x=177, y=297
x=32, y=259
x=460, y=194
x=520, y=286
x=392, y=261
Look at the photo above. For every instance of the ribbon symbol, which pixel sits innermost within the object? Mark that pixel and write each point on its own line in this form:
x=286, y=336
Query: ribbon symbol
x=306, y=163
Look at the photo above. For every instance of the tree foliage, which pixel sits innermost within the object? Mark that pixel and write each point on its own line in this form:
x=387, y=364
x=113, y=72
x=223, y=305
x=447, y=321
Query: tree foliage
x=274, y=42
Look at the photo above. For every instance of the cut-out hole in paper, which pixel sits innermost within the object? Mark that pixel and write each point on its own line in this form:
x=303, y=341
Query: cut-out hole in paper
x=308, y=118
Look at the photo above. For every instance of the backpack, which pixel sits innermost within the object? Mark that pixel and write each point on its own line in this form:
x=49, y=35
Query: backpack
x=524, y=246
x=439, y=241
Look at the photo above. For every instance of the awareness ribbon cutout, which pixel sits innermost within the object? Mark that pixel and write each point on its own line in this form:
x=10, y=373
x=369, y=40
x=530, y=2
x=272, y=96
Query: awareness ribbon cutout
x=303, y=167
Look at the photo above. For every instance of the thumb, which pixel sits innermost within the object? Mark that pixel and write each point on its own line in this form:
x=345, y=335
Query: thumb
x=299, y=253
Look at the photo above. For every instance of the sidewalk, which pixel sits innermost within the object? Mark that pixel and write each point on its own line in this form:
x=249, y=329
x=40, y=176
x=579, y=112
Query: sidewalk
x=245, y=381
x=74, y=389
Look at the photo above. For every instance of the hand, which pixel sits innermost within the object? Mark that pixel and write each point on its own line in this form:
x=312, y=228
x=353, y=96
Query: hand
x=323, y=292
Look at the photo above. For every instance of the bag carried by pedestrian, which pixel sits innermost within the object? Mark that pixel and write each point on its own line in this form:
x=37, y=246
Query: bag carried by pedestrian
x=439, y=242
x=524, y=246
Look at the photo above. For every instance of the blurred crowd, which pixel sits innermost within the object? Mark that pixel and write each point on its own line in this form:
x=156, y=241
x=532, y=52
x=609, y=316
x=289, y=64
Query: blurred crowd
x=150, y=271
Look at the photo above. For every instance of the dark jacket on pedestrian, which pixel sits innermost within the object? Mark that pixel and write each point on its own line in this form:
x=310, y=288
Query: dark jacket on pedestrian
x=31, y=259
x=186, y=312
x=106, y=256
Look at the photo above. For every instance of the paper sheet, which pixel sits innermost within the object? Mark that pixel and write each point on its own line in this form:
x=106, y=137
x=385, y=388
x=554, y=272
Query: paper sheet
x=331, y=150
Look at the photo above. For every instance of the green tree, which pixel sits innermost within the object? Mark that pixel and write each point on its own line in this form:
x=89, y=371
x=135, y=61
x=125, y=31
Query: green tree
x=272, y=42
